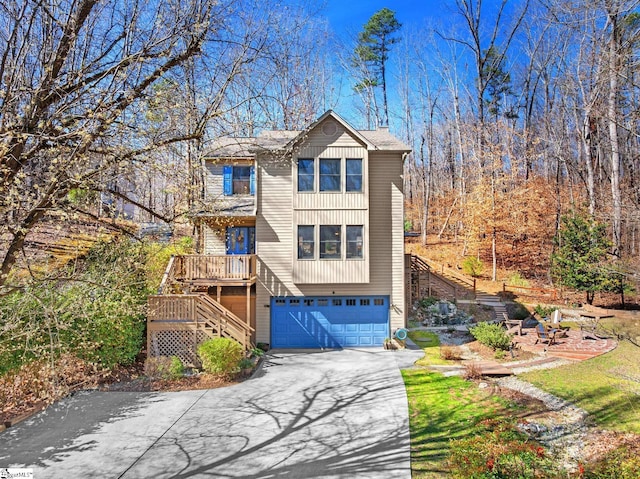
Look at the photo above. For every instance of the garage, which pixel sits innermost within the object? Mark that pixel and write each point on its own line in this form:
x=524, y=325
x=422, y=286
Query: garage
x=329, y=321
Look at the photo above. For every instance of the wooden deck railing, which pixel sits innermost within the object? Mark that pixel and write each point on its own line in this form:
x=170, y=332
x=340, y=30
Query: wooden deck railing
x=198, y=312
x=469, y=283
x=196, y=267
x=527, y=291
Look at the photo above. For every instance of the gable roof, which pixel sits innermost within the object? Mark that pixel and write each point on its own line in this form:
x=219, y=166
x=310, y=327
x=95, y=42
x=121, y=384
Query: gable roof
x=278, y=140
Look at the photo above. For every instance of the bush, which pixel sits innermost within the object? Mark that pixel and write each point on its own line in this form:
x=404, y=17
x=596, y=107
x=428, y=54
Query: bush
x=500, y=453
x=450, y=353
x=491, y=335
x=98, y=315
x=516, y=279
x=472, y=371
x=621, y=463
x=220, y=356
x=472, y=266
x=544, y=311
x=163, y=367
x=424, y=303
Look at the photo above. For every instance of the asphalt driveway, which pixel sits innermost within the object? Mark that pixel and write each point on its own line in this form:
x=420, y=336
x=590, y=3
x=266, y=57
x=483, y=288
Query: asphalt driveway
x=329, y=414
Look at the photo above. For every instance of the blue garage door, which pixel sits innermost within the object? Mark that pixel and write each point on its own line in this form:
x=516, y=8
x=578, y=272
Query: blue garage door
x=329, y=322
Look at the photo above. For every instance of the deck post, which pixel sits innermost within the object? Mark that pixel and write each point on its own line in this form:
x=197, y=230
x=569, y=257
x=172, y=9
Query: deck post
x=248, y=315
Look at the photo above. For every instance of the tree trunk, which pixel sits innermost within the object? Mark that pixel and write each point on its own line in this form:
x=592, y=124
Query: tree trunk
x=614, y=46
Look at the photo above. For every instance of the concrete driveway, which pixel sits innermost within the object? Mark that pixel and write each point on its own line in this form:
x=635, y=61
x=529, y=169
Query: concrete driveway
x=329, y=414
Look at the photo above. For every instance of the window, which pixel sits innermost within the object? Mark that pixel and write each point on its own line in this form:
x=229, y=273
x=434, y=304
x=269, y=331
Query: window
x=330, y=242
x=329, y=175
x=305, y=174
x=351, y=302
x=308, y=302
x=354, y=175
x=337, y=302
x=378, y=302
x=323, y=302
x=354, y=242
x=294, y=302
x=305, y=242
x=238, y=180
x=280, y=302
x=365, y=302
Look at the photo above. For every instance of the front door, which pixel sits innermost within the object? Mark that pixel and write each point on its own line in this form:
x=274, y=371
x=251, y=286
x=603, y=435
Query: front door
x=241, y=239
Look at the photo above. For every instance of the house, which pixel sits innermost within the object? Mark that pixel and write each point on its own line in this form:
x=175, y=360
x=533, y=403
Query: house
x=304, y=239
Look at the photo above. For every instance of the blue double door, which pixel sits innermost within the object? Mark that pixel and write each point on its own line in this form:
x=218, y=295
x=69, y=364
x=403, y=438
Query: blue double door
x=241, y=240
x=329, y=321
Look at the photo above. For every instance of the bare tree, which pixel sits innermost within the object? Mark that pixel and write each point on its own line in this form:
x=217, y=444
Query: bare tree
x=76, y=79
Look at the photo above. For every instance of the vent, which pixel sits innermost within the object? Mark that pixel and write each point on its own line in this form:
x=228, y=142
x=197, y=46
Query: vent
x=329, y=128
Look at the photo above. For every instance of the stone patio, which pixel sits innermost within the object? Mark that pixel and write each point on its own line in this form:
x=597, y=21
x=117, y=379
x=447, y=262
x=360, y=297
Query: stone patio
x=571, y=347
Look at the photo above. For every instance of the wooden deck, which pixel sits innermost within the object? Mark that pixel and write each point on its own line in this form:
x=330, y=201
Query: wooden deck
x=183, y=314
x=199, y=272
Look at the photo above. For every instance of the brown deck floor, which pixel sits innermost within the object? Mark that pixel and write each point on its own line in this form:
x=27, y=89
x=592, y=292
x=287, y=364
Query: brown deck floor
x=571, y=347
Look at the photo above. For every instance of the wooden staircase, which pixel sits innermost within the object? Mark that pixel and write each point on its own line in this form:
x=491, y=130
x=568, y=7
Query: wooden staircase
x=182, y=314
x=429, y=279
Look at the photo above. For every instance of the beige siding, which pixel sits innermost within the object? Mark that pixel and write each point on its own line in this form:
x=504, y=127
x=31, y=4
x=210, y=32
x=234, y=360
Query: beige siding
x=214, y=240
x=275, y=230
x=274, y=238
x=213, y=180
x=386, y=237
x=342, y=200
x=341, y=137
x=320, y=271
x=214, y=177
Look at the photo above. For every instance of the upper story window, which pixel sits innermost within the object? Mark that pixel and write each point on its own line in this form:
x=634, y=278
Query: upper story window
x=306, y=174
x=354, y=174
x=239, y=180
x=330, y=174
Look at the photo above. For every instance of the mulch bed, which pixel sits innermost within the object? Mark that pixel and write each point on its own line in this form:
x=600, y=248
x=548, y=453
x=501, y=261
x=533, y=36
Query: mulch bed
x=30, y=391
x=489, y=354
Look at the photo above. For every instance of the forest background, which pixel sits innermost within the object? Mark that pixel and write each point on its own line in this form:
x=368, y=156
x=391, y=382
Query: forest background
x=518, y=112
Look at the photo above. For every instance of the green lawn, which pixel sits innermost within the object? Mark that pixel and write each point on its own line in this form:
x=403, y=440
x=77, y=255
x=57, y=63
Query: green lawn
x=430, y=343
x=440, y=409
x=607, y=387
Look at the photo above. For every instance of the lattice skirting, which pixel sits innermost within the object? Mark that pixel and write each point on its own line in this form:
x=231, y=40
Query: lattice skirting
x=169, y=342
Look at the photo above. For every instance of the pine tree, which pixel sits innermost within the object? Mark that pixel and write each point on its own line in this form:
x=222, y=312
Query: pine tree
x=372, y=53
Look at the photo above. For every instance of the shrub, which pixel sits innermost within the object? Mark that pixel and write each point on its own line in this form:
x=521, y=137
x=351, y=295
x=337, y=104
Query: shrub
x=424, y=303
x=450, y=353
x=499, y=354
x=472, y=371
x=472, y=266
x=163, y=367
x=544, y=311
x=516, y=279
x=621, y=463
x=501, y=453
x=491, y=335
x=220, y=356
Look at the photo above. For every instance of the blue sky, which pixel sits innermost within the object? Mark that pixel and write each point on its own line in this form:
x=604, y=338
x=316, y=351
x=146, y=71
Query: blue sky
x=350, y=15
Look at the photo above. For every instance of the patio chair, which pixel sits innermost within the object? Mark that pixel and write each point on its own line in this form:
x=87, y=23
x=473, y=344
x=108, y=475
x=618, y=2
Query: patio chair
x=514, y=326
x=546, y=334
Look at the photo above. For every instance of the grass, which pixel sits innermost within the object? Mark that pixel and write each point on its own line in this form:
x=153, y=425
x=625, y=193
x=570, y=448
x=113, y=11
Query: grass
x=441, y=409
x=607, y=387
x=430, y=343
